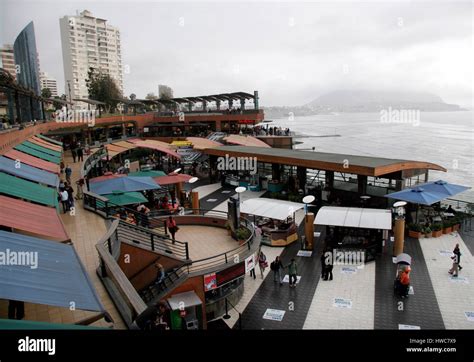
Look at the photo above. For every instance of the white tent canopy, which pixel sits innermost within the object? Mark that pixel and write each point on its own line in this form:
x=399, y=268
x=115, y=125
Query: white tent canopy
x=271, y=208
x=354, y=217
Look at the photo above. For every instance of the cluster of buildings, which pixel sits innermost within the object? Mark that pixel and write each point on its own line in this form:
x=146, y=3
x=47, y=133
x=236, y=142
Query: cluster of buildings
x=87, y=42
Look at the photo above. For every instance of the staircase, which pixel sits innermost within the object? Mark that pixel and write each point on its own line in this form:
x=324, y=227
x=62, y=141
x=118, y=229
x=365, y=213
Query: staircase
x=157, y=291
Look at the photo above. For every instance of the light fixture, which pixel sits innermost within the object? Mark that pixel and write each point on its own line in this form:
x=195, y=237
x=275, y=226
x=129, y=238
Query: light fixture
x=193, y=180
x=178, y=170
x=308, y=199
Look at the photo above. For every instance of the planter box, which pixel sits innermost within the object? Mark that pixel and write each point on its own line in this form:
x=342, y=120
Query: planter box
x=437, y=234
x=447, y=230
x=414, y=234
x=428, y=235
x=456, y=227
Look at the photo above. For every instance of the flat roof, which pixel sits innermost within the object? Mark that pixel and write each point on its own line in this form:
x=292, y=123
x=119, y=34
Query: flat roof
x=359, y=165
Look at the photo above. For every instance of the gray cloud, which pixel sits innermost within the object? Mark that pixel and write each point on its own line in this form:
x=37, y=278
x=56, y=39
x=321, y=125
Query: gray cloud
x=291, y=53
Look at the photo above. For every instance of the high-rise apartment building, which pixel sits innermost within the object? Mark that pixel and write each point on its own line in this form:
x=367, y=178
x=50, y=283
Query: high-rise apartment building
x=49, y=82
x=7, y=59
x=89, y=42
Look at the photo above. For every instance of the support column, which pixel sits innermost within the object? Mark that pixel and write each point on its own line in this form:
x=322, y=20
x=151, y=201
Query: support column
x=399, y=236
x=255, y=100
x=195, y=201
x=212, y=168
x=18, y=109
x=124, y=130
x=309, y=230
x=218, y=105
x=301, y=175
x=218, y=125
x=329, y=179
x=276, y=171
x=190, y=106
x=179, y=188
x=242, y=104
x=204, y=105
x=362, y=184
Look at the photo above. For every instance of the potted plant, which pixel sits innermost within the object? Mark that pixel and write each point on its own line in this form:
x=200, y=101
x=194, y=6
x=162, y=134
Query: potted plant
x=427, y=231
x=414, y=231
x=242, y=234
x=437, y=230
x=447, y=227
x=457, y=222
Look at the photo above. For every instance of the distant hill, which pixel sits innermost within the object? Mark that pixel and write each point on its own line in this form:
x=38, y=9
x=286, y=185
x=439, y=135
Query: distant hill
x=370, y=101
x=364, y=101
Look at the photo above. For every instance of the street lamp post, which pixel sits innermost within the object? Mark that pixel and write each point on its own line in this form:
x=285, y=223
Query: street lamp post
x=309, y=222
x=399, y=227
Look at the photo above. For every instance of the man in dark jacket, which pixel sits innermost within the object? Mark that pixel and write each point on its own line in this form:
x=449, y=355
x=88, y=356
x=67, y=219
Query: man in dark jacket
x=276, y=266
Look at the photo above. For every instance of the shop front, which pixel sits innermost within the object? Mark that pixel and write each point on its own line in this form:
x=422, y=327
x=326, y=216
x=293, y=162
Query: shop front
x=355, y=229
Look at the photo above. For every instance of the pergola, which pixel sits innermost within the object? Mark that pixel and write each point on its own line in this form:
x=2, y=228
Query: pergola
x=90, y=102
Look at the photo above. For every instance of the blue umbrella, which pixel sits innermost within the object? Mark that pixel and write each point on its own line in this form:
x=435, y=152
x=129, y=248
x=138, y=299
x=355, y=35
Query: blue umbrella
x=443, y=187
x=124, y=184
x=417, y=195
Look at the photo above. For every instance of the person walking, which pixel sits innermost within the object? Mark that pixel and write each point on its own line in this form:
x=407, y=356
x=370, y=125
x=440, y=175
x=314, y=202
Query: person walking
x=16, y=309
x=455, y=268
x=68, y=172
x=293, y=272
x=262, y=262
x=457, y=251
x=70, y=195
x=74, y=154
x=276, y=267
x=324, y=267
x=80, y=154
x=64, y=200
x=172, y=227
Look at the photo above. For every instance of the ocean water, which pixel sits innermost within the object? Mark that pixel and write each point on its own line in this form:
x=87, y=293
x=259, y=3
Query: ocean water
x=444, y=138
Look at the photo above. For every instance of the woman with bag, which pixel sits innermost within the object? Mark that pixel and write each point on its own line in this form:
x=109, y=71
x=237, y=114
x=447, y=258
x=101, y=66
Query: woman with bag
x=172, y=227
x=262, y=262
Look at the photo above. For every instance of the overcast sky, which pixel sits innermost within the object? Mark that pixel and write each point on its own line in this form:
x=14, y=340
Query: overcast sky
x=290, y=52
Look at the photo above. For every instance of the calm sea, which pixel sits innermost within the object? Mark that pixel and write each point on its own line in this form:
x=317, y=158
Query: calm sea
x=444, y=138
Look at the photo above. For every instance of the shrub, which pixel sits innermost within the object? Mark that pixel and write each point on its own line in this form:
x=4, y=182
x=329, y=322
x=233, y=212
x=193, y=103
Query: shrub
x=437, y=227
x=242, y=233
x=415, y=227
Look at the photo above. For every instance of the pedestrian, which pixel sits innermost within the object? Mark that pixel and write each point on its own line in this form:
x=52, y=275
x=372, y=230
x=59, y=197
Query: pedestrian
x=252, y=273
x=64, y=200
x=455, y=268
x=68, y=172
x=80, y=154
x=293, y=272
x=74, y=154
x=70, y=193
x=324, y=267
x=61, y=166
x=172, y=227
x=160, y=273
x=262, y=263
x=16, y=309
x=276, y=267
x=457, y=251
x=80, y=193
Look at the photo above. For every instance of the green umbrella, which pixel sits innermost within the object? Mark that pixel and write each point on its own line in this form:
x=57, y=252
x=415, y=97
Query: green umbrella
x=125, y=198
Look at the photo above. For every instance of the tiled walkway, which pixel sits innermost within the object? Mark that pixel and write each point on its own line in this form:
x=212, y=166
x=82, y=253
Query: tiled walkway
x=420, y=309
x=455, y=296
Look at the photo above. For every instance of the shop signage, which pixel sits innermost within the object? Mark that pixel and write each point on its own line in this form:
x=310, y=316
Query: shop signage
x=342, y=303
x=407, y=327
x=305, y=253
x=210, y=281
x=250, y=263
x=348, y=270
x=469, y=316
x=274, y=314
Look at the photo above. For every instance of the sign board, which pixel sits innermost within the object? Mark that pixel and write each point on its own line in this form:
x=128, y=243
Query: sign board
x=274, y=314
x=469, y=316
x=146, y=130
x=250, y=263
x=342, y=303
x=286, y=279
x=348, y=270
x=210, y=281
x=459, y=279
x=445, y=253
x=305, y=253
x=407, y=327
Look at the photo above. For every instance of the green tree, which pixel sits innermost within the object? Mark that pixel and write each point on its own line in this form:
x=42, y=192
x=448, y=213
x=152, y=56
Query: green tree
x=133, y=96
x=46, y=93
x=151, y=96
x=102, y=87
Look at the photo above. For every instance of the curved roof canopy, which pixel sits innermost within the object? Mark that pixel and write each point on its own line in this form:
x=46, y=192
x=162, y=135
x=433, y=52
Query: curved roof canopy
x=360, y=165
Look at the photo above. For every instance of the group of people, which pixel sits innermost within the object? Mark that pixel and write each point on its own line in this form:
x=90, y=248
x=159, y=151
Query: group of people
x=277, y=266
x=66, y=195
x=77, y=152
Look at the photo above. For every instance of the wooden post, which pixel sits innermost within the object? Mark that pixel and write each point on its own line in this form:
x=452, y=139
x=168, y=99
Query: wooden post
x=309, y=230
x=195, y=202
x=399, y=236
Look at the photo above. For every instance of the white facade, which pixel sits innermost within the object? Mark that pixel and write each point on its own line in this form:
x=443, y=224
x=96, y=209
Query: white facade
x=49, y=82
x=7, y=59
x=89, y=42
